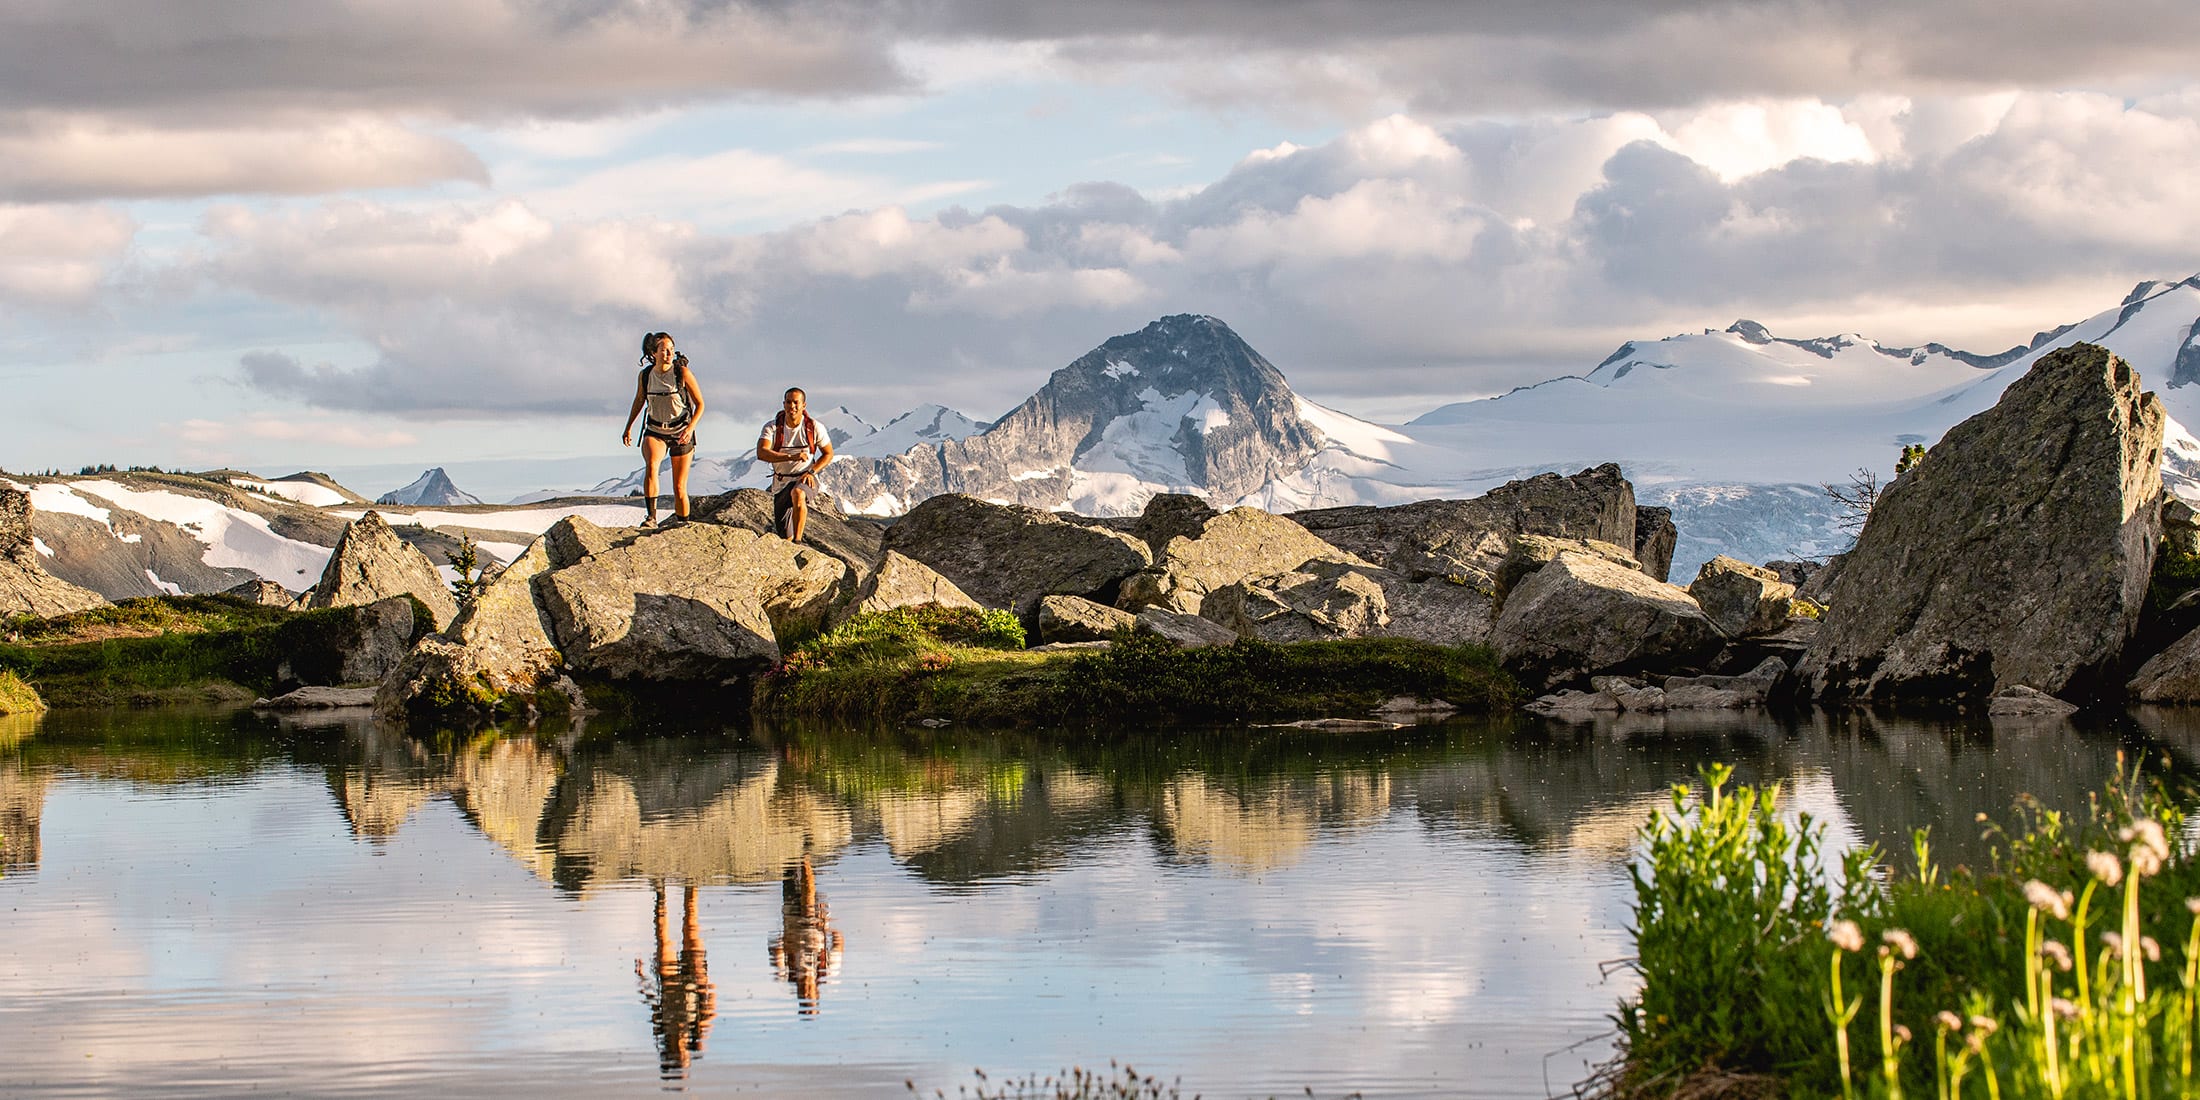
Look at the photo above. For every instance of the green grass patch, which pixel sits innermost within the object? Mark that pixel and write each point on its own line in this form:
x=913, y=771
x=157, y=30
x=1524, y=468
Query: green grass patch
x=1766, y=974
x=919, y=663
x=175, y=649
x=17, y=697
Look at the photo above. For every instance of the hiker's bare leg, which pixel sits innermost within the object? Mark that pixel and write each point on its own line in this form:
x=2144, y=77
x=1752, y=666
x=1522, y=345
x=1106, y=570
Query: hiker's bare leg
x=680, y=485
x=653, y=452
x=801, y=511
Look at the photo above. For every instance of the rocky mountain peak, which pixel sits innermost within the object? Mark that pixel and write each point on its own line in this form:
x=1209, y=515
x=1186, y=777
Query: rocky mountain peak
x=1182, y=405
x=432, y=487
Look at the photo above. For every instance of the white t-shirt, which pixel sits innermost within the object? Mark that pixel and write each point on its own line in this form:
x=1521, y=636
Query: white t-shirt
x=797, y=438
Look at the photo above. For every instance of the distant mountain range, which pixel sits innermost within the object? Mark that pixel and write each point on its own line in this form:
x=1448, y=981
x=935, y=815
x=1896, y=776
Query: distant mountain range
x=1734, y=429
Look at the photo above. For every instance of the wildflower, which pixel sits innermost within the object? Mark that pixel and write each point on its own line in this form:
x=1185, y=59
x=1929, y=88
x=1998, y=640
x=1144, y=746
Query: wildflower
x=1948, y=1021
x=2192, y=906
x=2114, y=943
x=2152, y=949
x=2144, y=862
x=2147, y=833
x=1846, y=935
x=2044, y=898
x=1900, y=941
x=2104, y=867
x=1901, y=1034
x=2064, y=1008
x=1986, y=1024
x=2055, y=952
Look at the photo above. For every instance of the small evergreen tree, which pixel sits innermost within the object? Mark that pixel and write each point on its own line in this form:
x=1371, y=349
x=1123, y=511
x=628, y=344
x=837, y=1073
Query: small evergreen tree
x=466, y=560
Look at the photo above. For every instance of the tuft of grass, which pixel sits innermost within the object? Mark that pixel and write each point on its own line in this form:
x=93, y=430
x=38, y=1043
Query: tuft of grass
x=1759, y=965
x=1076, y=1083
x=932, y=663
x=17, y=697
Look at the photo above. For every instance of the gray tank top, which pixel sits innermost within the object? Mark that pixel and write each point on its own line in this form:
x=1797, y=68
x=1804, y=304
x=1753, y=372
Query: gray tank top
x=668, y=403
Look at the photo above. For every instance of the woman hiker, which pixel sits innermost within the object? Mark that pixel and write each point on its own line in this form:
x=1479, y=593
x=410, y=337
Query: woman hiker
x=667, y=388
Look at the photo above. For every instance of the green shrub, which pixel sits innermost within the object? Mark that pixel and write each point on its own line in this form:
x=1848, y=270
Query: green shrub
x=17, y=697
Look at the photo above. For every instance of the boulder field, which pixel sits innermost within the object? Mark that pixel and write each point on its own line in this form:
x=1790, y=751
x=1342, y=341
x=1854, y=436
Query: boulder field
x=2012, y=566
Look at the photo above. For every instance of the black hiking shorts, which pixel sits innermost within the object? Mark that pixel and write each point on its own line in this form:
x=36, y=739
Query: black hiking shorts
x=783, y=501
x=670, y=437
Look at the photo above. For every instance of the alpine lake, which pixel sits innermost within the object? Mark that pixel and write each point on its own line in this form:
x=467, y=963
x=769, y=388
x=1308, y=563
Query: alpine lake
x=215, y=902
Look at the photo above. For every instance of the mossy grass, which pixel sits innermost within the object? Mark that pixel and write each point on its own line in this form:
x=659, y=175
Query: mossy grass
x=175, y=649
x=1764, y=974
x=936, y=663
x=17, y=697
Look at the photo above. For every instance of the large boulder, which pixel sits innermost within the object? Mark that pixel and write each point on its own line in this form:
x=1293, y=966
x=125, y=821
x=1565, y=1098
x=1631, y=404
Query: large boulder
x=575, y=539
x=1655, y=537
x=1007, y=555
x=380, y=635
x=1076, y=619
x=696, y=602
x=1221, y=550
x=854, y=540
x=500, y=648
x=25, y=586
x=1529, y=553
x=2180, y=527
x=1740, y=598
x=265, y=593
x=1581, y=615
x=2019, y=554
x=901, y=581
x=1469, y=538
x=1334, y=599
x=372, y=563
x=1186, y=631
x=2171, y=676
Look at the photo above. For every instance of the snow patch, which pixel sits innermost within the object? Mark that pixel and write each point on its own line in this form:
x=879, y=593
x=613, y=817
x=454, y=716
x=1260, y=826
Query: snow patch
x=1208, y=414
x=1117, y=368
x=40, y=546
x=233, y=539
x=1032, y=475
x=164, y=586
x=299, y=492
x=884, y=504
x=533, y=521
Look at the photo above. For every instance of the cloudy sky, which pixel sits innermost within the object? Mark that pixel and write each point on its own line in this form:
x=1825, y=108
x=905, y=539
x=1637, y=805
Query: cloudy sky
x=376, y=235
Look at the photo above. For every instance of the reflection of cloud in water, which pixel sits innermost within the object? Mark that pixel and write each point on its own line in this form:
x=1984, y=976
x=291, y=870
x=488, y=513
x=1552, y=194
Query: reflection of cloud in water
x=1267, y=828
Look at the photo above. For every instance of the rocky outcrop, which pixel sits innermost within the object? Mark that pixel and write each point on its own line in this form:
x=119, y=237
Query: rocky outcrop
x=1469, y=538
x=573, y=540
x=1222, y=550
x=499, y=652
x=696, y=602
x=1187, y=631
x=901, y=581
x=1075, y=619
x=1740, y=598
x=1655, y=537
x=1529, y=553
x=379, y=636
x=1338, y=599
x=25, y=586
x=2180, y=527
x=1008, y=556
x=1581, y=615
x=264, y=593
x=2018, y=553
x=2171, y=676
x=2019, y=701
x=372, y=563
x=854, y=540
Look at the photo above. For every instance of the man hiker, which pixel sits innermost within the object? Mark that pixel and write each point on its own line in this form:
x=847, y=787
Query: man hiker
x=797, y=449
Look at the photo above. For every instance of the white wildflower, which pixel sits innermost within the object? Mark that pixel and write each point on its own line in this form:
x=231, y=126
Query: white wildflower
x=1846, y=935
x=2105, y=867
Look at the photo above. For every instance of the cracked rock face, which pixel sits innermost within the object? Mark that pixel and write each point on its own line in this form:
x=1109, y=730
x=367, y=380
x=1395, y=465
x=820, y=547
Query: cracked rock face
x=25, y=586
x=2018, y=553
x=372, y=563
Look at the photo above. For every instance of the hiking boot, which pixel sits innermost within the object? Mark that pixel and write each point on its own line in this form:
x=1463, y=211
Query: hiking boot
x=648, y=521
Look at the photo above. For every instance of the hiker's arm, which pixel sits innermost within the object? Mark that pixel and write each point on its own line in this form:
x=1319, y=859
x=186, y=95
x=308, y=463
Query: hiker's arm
x=695, y=405
x=626, y=435
x=824, y=451
x=764, y=452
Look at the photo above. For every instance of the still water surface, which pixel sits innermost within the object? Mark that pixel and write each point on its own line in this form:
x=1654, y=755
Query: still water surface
x=205, y=903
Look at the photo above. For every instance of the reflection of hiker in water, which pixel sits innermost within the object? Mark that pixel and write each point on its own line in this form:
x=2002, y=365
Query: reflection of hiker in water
x=797, y=448
x=678, y=992
x=667, y=389
x=807, y=949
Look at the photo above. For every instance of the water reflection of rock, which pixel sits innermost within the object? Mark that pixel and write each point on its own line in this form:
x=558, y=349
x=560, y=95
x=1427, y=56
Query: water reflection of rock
x=22, y=804
x=1260, y=827
x=383, y=778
